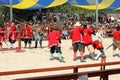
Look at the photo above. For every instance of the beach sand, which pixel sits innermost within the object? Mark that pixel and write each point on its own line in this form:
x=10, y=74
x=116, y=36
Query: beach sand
x=37, y=58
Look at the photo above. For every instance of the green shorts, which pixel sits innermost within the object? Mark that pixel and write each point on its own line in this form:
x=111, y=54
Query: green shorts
x=78, y=46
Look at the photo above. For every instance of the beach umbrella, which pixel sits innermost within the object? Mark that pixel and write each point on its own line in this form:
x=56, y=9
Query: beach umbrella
x=91, y=4
x=83, y=2
x=33, y=4
x=8, y=1
x=56, y=3
x=86, y=4
x=96, y=5
x=40, y=4
x=115, y=5
x=47, y=4
x=23, y=4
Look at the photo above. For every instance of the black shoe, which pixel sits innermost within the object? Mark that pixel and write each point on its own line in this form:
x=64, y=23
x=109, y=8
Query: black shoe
x=35, y=47
x=92, y=57
x=118, y=55
x=41, y=47
x=61, y=60
x=82, y=60
x=114, y=55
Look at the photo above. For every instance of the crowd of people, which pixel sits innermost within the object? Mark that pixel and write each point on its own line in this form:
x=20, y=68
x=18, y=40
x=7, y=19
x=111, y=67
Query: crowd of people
x=83, y=34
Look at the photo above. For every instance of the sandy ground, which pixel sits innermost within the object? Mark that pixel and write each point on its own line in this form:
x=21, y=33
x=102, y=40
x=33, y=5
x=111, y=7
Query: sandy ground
x=37, y=58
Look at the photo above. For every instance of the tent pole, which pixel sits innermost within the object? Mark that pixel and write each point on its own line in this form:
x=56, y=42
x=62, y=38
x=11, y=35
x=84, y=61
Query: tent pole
x=96, y=13
x=11, y=13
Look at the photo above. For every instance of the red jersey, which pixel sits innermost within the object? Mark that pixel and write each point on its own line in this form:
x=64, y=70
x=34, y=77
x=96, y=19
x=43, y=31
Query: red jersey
x=53, y=38
x=27, y=31
x=87, y=35
x=76, y=34
x=116, y=35
x=2, y=36
x=12, y=33
x=97, y=45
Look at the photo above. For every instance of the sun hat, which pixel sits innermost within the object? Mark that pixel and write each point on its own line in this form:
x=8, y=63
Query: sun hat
x=77, y=24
